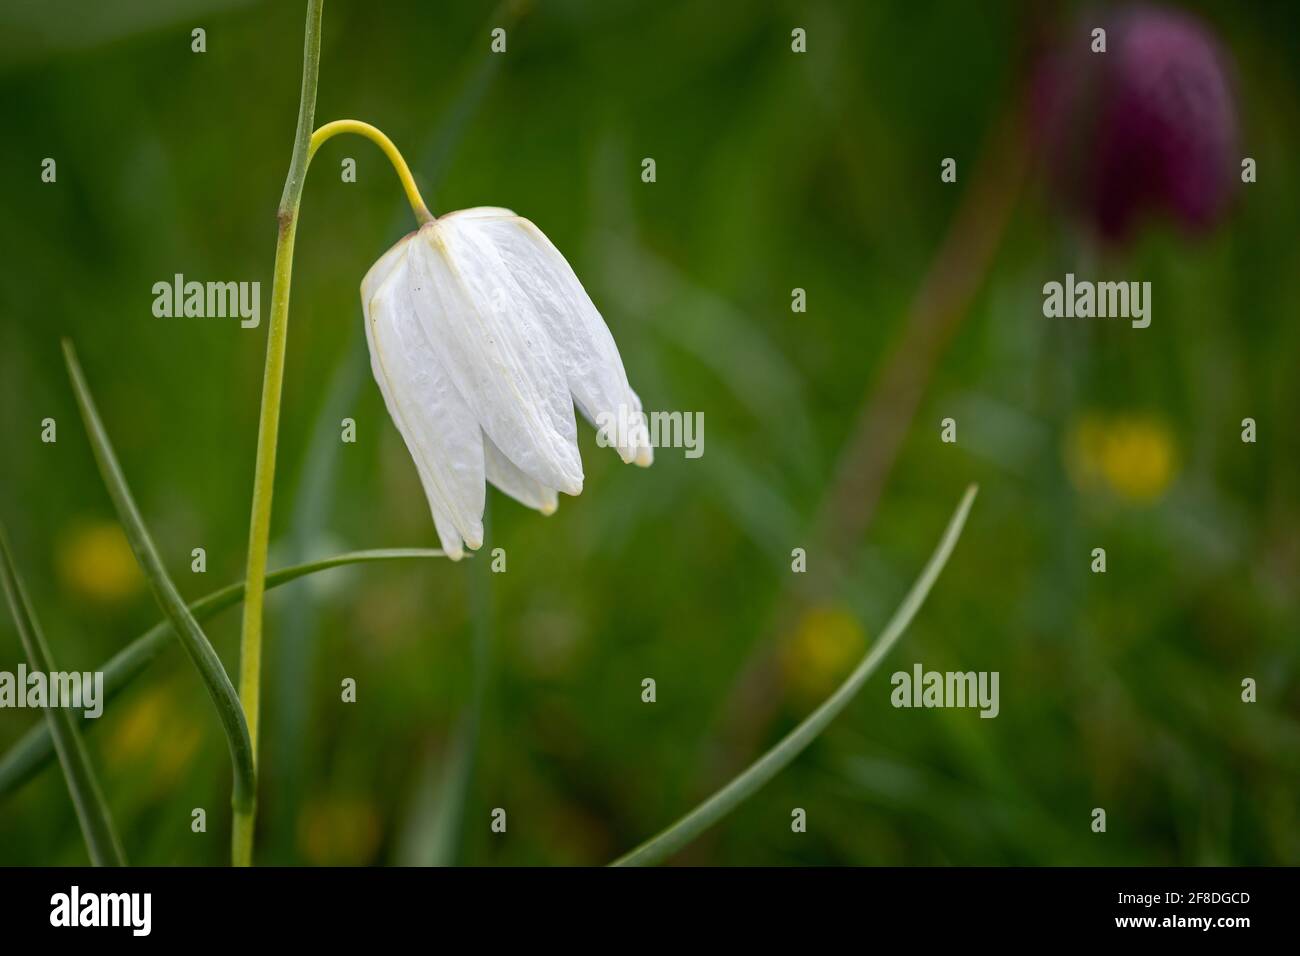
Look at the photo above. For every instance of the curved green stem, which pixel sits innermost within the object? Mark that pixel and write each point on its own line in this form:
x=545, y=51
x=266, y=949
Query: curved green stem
x=686, y=829
x=169, y=599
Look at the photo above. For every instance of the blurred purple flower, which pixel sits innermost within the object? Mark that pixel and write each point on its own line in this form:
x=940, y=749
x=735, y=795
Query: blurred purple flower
x=1149, y=126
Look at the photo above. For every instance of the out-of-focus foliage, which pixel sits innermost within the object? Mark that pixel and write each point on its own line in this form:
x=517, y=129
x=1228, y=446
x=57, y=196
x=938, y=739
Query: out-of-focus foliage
x=774, y=171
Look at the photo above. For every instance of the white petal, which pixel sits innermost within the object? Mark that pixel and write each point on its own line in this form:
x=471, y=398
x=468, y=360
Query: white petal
x=645, y=453
x=507, y=476
x=480, y=212
x=436, y=423
x=447, y=533
x=592, y=366
x=394, y=258
x=495, y=349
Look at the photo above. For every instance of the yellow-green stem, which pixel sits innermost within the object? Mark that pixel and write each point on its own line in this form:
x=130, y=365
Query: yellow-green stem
x=250, y=648
x=304, y=147
x=377, y=137
x=250, y=645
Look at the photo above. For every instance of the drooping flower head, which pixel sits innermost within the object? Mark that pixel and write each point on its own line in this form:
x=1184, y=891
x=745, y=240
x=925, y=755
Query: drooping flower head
x=482, y=339
x=1147, y=127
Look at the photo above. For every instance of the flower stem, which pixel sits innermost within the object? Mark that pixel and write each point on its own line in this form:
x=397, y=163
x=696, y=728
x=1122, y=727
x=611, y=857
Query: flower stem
x=377, y=137
x=250, y=647
x=305, y=145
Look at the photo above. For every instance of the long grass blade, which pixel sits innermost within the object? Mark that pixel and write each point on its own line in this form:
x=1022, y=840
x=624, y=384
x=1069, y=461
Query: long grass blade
x=61, y=729
x=186, y=628
x=686, y=829
x=33, y=751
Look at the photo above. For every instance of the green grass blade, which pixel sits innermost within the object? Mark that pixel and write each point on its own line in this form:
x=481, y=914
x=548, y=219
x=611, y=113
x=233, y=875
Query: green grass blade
x=87, y=797
x=686, y=829
x=186, y=628
x=34, y=750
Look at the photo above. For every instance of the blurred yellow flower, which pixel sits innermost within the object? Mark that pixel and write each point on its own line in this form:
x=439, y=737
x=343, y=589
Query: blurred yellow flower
x=826, y=644
x=1132, y=457
x=153, y=732
x=175, y=750
x=138, y=726
x=339, y=831
x=137, y=729
x=95, y=563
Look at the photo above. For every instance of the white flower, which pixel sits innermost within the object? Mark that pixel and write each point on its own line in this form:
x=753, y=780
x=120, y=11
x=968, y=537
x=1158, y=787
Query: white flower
x=481, y=339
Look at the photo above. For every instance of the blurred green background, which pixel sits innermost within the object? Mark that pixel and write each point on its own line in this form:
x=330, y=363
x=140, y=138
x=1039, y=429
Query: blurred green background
x=774, y=171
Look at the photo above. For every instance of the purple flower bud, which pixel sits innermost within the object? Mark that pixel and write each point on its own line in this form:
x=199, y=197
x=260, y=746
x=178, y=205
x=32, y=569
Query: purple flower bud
x=1148, y=126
